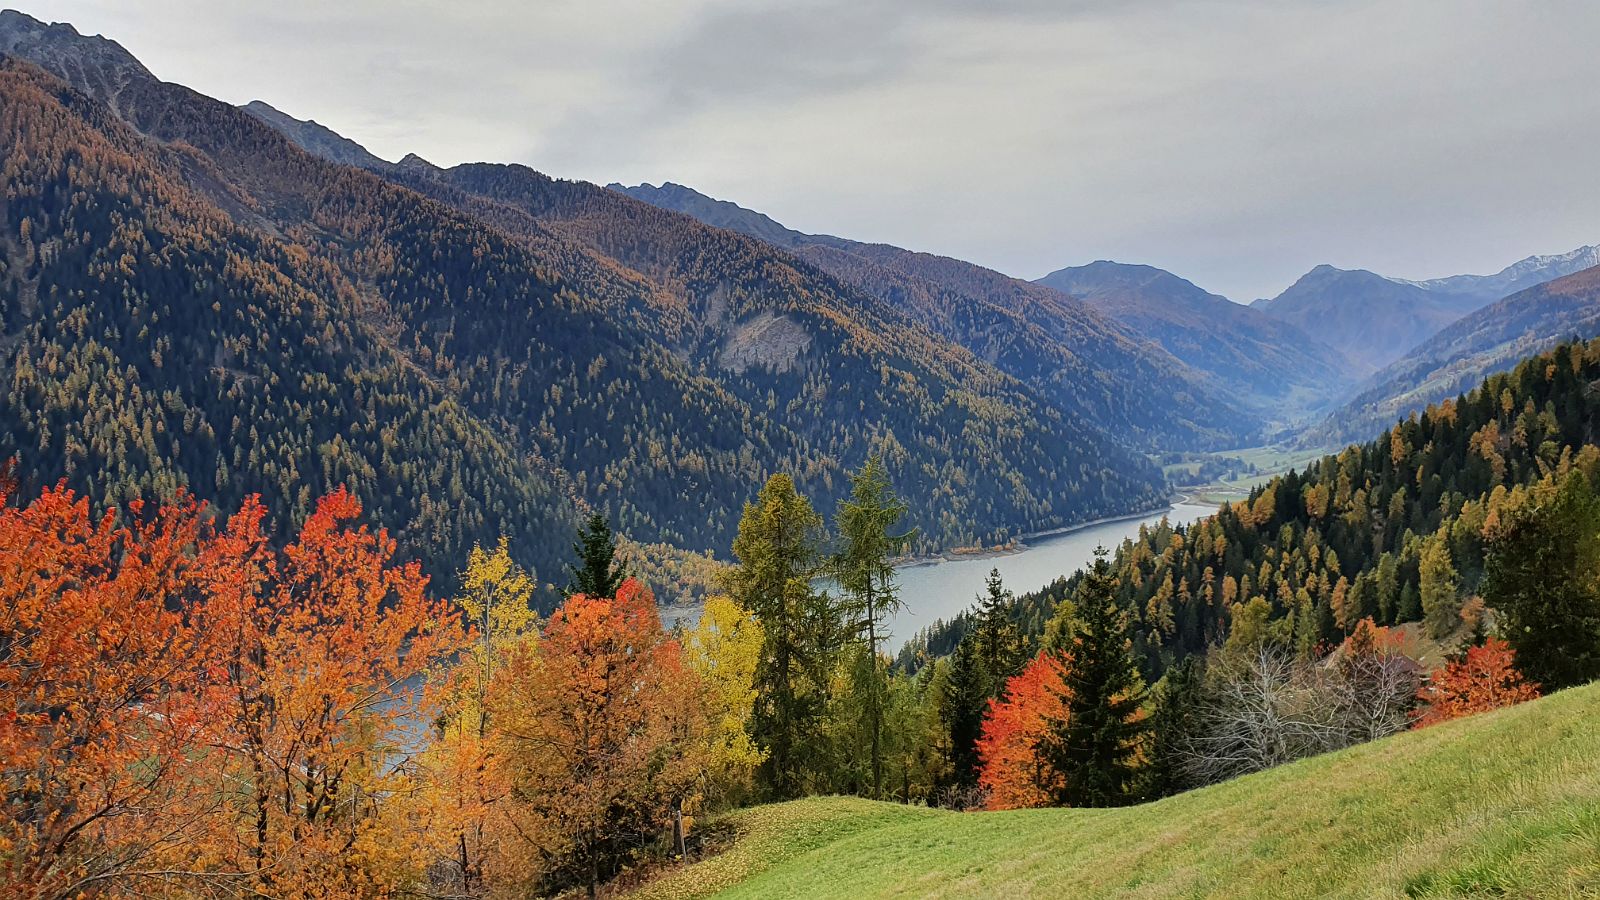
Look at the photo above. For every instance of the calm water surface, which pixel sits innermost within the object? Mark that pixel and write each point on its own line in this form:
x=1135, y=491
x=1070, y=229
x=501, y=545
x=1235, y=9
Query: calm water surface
x=939, y=590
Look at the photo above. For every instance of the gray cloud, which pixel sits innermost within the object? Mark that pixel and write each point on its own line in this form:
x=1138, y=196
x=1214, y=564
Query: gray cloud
x=1236, y=142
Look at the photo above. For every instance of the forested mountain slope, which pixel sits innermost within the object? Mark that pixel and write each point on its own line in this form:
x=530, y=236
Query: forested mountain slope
x=183, y=285
x=1311, y=553
x=1280, y=369
x=1460, y=356
x=1070, y=352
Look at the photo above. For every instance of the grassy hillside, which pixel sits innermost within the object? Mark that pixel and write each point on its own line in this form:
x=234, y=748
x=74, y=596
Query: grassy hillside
x=1505, y=804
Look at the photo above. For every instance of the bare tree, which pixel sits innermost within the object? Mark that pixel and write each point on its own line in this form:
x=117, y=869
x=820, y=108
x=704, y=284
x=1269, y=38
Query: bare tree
x=1277, y=709
x=1373, y=690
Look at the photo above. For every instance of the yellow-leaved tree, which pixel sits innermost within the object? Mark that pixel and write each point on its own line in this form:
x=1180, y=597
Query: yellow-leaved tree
x=463, y=782
x=724, y=651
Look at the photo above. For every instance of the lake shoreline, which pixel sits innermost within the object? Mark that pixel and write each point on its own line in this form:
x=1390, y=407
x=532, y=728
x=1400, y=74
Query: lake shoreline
x=689, y=612
x=1020, y=545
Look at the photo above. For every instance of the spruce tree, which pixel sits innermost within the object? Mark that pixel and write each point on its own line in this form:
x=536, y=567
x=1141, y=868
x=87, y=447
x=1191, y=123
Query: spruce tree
x=966, y=699
x=777, y=549
x=1173, y=725
x=1543, y=576
x=999, y=646
x=597, y=572
x=863, y=570
x=1094, y=746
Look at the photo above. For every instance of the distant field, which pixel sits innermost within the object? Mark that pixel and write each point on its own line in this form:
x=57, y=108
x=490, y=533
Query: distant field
x=1502, y=805
x=1269, y=462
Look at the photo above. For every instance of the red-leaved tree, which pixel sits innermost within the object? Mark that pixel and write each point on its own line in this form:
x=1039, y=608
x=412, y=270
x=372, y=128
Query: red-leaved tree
x=1484, y=678
x=1012, y=770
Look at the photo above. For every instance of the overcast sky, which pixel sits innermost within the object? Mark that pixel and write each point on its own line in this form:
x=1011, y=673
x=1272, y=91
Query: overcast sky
x=1235, y=142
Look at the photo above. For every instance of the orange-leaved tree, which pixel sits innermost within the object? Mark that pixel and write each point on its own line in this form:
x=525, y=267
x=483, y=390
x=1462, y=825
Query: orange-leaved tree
x=461, y=781
x=96, y=692
x=1484, y=678
x=314, y=672
x=598, y=729
x=1013, y=771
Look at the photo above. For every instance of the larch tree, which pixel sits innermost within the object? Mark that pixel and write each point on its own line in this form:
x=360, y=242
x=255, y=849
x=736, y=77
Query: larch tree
x=778, y=553
x=864, y=571
x=1014, y=773
x=1441, y=600
x=1095, y=745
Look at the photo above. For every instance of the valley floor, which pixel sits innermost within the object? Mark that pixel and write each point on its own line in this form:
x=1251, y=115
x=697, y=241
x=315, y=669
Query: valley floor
x=1505, y=804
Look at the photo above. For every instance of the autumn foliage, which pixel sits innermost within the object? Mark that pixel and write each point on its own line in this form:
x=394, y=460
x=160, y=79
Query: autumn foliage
x=96, y=690
x=194, y=705
x=1014, y=773
x=1484, y=678
x=598, y=731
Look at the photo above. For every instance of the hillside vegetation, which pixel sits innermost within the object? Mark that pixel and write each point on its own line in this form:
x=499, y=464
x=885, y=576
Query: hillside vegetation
x=191, y=302
x=1342, y=539
x=1503, y=804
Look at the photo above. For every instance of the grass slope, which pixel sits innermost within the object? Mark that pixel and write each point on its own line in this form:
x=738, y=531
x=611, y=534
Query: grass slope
x=1505, y=804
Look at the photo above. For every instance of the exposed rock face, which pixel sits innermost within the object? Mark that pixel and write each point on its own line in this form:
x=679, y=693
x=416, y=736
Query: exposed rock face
x=314, y=138
x=770, y=341
x=97, y=65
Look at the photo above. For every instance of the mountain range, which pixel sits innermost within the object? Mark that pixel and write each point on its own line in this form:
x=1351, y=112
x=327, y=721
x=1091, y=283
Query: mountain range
x=1489, y=340
x=234, y=301
x=1050, y=340
x=1275, y=366
x=198, y=296
x=1376, y=320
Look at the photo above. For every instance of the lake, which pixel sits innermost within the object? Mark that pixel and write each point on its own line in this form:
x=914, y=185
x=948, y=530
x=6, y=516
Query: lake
x=939, y=589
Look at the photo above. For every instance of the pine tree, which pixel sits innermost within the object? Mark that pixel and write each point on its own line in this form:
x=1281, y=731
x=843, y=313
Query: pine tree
x=598, y=574
x=1094, y=746
x=865, y=575
x=778, y=558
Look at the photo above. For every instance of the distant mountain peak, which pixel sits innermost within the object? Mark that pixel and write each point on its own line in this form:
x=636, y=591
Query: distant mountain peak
x=100, y=66
x=315, y=138
x=714, y=212
x=413, y=161
x=1524, y=273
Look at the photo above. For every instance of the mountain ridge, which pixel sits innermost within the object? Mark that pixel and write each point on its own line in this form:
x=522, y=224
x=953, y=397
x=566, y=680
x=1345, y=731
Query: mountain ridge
x=1492, y=339
x=1032, y=331
x=1278, y=366
x=640, y=392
